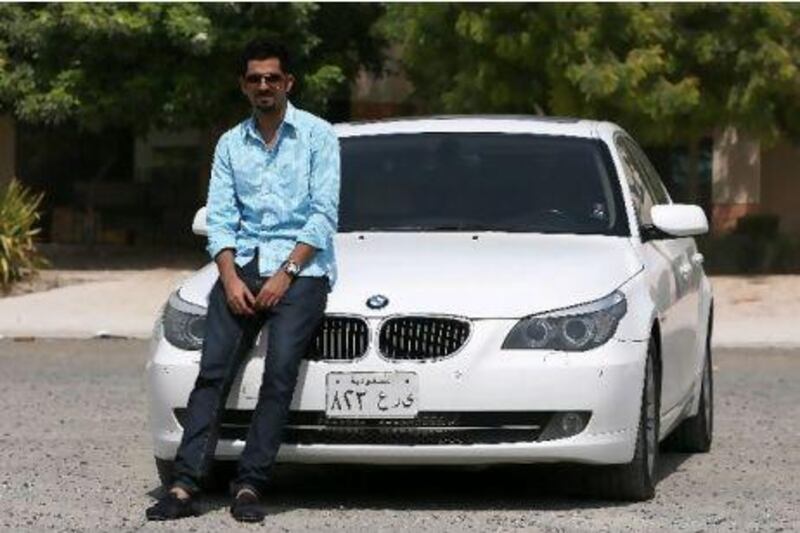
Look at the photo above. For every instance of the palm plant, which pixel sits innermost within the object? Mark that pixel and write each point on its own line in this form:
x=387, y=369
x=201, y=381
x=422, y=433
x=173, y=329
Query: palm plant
x=19, y=257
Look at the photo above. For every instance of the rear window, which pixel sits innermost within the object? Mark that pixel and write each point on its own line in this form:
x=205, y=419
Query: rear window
x=479, y=182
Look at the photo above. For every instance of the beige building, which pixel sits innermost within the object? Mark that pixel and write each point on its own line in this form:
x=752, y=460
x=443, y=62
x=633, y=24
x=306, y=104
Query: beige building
x=780, y=185
x=749, y=178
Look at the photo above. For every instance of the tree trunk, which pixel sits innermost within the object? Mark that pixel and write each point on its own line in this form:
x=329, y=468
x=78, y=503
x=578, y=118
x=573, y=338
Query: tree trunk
x=90, y=223
x=693, y=172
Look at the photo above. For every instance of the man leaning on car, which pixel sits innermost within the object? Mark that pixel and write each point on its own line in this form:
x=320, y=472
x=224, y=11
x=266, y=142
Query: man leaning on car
x=272, y=212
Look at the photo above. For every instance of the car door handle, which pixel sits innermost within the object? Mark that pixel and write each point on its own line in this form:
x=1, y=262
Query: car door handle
x=698, y=259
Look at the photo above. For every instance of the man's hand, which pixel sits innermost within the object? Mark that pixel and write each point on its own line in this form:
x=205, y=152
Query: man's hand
x=240, y=299
x=273, y=290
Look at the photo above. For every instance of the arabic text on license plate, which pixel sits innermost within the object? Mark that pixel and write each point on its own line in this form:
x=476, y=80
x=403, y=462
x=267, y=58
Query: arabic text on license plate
x=371, y=394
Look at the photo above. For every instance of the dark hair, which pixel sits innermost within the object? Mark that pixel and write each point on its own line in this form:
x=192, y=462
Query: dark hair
x=262, y=49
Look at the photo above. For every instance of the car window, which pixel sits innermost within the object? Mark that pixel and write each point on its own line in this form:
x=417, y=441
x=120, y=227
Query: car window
x=635, y=175
x=651, y=178
x=479, y=182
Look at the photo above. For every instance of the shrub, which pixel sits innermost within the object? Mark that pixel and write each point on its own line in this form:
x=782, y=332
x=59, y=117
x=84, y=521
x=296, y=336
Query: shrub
x=758, y=226
x=19, y=257
x=750, y=253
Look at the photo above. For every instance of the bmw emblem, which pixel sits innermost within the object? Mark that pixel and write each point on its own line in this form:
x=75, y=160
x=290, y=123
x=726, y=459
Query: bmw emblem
x=378, y=301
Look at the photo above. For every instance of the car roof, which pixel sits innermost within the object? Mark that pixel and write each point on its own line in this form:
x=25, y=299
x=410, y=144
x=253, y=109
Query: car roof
x=543, y=125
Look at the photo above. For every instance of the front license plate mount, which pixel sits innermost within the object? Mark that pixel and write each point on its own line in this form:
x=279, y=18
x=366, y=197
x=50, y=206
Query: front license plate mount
x=371, y=394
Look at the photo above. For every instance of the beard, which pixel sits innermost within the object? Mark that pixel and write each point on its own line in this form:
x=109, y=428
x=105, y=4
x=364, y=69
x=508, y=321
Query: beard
x=266, y=105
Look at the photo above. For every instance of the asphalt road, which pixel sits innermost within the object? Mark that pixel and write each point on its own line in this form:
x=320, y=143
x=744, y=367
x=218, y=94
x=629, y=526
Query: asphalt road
x=75, y=454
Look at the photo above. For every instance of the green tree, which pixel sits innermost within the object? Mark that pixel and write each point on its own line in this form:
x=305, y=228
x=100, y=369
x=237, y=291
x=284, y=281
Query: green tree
x=670, y=73
x=144, y=66
x=167, y=65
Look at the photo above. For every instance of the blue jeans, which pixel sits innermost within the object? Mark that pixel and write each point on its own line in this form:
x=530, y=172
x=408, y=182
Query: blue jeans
x=292, y=323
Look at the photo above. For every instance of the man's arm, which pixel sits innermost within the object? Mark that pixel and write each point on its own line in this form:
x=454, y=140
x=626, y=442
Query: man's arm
x=317, y=233
x=320, y=227
x=222, y=212
x=222, y=220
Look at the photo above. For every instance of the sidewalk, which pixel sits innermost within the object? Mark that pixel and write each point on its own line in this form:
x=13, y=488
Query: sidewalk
x=93, y=303
x=757, y=311
x=754, y=311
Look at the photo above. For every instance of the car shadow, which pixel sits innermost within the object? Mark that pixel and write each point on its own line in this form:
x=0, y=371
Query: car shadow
x=670, y=462
x=507, y=487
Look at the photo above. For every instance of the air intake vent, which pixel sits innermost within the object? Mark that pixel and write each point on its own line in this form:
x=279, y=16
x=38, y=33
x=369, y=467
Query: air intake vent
x=416, y=337
x=427, y=428
x=339, y=338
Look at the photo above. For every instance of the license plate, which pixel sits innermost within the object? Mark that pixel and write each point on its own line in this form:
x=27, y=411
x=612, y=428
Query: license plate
x=371, y=394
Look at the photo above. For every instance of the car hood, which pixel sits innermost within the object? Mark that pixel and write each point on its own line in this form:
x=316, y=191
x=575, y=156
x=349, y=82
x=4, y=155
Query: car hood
x=483, y=275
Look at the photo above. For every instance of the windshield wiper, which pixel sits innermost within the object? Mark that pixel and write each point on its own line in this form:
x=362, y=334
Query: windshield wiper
x=508, y=228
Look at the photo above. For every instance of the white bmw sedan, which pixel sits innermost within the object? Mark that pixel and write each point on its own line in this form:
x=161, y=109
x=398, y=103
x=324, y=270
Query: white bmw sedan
x=511, y=290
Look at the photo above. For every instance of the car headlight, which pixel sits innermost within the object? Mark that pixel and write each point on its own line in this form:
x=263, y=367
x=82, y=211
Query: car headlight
x=574, y=329
x=184, y=323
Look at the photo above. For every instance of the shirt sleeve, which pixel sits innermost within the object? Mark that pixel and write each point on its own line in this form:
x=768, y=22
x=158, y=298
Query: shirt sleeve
x=324, y=181
x=222, y=212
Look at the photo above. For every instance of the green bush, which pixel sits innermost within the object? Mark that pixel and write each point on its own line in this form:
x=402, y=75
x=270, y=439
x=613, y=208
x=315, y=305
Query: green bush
x=750, y=253
x=759, y=226
x=18, y=215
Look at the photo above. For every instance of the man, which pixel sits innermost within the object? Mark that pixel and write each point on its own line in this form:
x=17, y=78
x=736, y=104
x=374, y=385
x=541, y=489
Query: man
x=272, y=212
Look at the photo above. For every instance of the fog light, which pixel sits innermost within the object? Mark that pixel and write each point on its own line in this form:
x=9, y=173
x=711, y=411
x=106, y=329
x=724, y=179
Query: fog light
x=565, y=424
x=571, y=423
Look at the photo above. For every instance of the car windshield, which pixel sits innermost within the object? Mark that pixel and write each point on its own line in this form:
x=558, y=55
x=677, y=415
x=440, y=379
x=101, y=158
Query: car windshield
x=479, y=182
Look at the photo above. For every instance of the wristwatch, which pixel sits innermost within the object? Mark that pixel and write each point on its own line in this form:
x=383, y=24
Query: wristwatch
x=291, y=268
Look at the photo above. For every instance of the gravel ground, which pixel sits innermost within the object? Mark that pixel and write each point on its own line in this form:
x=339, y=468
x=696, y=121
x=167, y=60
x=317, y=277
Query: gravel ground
x=75, y=454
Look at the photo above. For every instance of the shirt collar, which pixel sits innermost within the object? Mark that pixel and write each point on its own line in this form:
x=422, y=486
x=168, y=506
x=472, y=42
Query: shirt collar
x=289, y=118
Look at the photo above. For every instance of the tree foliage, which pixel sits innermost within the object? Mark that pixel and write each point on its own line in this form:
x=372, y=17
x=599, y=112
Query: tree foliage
x=668, y=72
x=167, y=65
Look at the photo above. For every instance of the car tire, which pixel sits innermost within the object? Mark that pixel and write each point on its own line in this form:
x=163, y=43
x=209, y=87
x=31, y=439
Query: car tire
x=222, y=472
x=694, y=435
x=636, y=481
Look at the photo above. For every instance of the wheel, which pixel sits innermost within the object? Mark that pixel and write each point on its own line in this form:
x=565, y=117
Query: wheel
x=221, y=474
x=694, y=435
x=636, y=481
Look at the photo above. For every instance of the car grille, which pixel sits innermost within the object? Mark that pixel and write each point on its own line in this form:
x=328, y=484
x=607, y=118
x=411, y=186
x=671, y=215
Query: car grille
x=416, y=337
x=339, y=338
x=427, y=428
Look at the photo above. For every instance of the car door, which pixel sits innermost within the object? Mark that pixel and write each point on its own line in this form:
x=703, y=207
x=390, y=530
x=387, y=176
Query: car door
x=661, y=261
x=687, y=269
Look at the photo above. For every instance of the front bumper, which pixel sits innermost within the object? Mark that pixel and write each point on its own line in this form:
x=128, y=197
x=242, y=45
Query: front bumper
x=606, y=381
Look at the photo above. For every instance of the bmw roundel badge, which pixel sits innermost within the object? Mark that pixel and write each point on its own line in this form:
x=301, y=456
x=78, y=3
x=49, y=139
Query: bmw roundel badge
x=379, y=301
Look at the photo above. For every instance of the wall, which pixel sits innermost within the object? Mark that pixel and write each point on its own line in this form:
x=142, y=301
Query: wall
x=736, y=178
x=780, y=185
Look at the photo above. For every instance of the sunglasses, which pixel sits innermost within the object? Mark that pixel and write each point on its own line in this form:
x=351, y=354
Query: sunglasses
x=272, y=80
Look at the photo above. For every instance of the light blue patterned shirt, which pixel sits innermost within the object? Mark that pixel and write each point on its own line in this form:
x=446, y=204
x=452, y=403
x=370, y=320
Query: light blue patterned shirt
x=273, y=198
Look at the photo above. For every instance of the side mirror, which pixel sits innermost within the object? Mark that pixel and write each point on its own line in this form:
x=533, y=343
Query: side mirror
x=679, y=220
x=199, y=222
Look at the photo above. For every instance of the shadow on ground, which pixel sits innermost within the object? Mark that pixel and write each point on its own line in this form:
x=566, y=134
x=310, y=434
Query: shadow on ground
x=507, y=487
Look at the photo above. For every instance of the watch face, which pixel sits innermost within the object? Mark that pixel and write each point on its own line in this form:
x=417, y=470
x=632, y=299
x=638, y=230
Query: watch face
x=292, y=268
